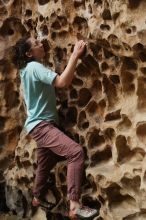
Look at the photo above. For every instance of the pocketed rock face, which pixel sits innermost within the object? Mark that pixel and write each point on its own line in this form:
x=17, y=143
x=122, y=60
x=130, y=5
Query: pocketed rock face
x=104, y=109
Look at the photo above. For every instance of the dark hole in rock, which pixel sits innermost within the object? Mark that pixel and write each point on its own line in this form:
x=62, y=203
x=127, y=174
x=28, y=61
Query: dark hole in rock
x=3, y=206
x=12, y=99
x=90, y=202
x=82, y=70
x=82, y=116
x=73, y=94
x=143, y=70
x=134, y=28
x=85, y=125
x=77, y=82
x=69, y=134
x=115, y=16
x=90, y=9
x=43, y=2
x=53, y=15
x=129, y=64
x=95, y=48
x=18, y=163
x=56, y=25
x=89, y=183
x=107, y=54
x=128, y=31
x=41, y=18
x=103, y=43
x=64, y=190
x=114, y=195
x=3, y=11
x=141, y=92
x=45, y=30
x=51, y=179
x=104, y=66
x=79, y=20
x=113, y=116
x=91, y=62
x=138, y=47
x=106, y=15
x=2, y=140
x=26, y=154
x=10, y=31
x=63, y=20
x=94, y=139
x=80, y=23
x=76, y=137
x=78, y=3
x=84, y=97
x=140, y=215
x=59, y=53
x=133, y=4
x=122, y=148
x=116, y=47
x=98, y=2
x=28, y=12
x=115, y=79
x=34, y=166
x=100, y=156
x=15, y=7
x=133, y=183
x=127, y=79
x=9, y=26
x=26, y=163
x=64, y=104
x=141, y=129
x=96, y=88
x=105, y=27
x=131, y=89
x=82, y=140
x=53, y=36
x=82, y=121
x=142, y=55
x=144, y=178
x=113, y=39
x=29, y=23
x=2, y=122
x=23, y=180
x=46, y=45
x=71, y=115
x=62, y=177
x=110, y=90
x=92, y=107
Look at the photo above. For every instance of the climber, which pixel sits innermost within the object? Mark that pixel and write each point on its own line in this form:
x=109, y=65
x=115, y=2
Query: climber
x=38, y=84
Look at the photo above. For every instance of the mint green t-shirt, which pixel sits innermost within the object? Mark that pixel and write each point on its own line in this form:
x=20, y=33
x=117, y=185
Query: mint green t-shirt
x=39, y=94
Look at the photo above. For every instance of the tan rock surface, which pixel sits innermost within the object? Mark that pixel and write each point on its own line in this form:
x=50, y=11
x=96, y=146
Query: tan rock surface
x=104, y=109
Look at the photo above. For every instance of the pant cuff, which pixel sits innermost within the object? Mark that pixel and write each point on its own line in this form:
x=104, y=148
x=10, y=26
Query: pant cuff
x=73, y=197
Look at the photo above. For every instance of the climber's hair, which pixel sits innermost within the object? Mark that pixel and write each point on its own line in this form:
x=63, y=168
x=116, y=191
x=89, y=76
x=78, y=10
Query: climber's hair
x=19, y=57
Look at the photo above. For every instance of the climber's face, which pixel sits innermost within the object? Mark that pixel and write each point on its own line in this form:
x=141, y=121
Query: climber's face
x=36, y=50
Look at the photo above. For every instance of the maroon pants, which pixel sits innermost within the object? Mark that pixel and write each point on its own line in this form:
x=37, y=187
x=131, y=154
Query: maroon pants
x=52, y=142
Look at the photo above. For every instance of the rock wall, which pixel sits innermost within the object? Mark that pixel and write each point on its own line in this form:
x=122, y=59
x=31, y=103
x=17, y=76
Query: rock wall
x=103, y=110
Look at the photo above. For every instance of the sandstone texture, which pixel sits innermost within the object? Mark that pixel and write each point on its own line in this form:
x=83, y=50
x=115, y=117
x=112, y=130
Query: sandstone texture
x=104, y=109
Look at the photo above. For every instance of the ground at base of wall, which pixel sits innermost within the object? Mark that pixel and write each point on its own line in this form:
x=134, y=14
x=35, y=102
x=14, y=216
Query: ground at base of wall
x=11, y=217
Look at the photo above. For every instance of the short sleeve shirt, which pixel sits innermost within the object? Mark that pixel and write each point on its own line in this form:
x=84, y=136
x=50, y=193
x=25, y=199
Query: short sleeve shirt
x=39, y=94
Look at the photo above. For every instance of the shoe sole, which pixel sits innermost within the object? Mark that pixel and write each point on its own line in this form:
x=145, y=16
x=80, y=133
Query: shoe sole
x=78, y=217
x=88, y=218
